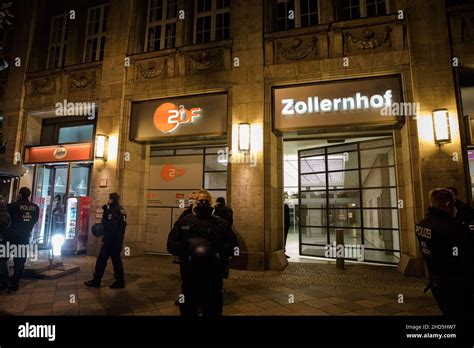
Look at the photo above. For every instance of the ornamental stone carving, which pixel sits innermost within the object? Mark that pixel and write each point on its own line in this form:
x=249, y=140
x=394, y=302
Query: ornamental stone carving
x=296, y=49
x=151, y=69
x=369, y=39
x=204, y=60
x=43, y=85
x=81, y=79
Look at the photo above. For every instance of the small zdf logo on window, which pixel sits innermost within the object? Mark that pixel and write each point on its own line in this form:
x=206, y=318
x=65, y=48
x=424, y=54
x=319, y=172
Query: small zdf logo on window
x=168, y=116
x=169, y=172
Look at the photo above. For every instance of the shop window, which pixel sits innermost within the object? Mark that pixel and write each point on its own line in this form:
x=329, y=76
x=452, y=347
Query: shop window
x=290, y=14
x=211, y=20
x=353, y=9
x=95, y=35
x=76, y=134
x=58, y=41
x=161, y=24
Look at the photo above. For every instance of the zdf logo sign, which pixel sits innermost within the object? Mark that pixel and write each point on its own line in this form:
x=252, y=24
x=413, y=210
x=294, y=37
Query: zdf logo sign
x=168, y=116
x=169, y=172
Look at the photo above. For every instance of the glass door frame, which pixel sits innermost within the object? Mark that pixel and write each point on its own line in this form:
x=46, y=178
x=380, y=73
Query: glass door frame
x=67, y=195
x=327, y=190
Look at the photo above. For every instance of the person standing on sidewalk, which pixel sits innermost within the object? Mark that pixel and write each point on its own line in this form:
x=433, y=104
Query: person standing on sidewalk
x=24, y=215
x=447, y=247
x=114, y=220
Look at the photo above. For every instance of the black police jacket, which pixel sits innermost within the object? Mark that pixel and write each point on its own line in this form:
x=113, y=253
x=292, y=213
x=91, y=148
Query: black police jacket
x=114, y=221
x=224, y=212
x=214, y=230
x=447, y=247
x=24, y=215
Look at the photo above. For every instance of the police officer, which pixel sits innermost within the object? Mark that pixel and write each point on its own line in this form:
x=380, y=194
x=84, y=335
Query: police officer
x=448, y=249
x=114, y=220
x=201, y=241
x=223, y=211
x=4, y=218
x=24, y=215
x=464, y=212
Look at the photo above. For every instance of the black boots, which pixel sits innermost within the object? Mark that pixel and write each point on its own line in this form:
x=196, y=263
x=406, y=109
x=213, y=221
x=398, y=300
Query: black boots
x=92, y=283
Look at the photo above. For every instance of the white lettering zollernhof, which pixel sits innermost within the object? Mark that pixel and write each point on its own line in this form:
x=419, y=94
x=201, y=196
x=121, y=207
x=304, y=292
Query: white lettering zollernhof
x=314, y=106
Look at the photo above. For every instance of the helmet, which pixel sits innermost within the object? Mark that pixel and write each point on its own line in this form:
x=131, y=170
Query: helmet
x=98, y=230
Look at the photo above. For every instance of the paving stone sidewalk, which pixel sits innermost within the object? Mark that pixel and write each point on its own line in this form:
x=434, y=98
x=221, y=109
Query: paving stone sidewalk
x=153, y=285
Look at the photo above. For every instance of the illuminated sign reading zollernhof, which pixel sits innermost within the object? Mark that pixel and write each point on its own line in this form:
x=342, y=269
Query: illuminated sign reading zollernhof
x=357, y=102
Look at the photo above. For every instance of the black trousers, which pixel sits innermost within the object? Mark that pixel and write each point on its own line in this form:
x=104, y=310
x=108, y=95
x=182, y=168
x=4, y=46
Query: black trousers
x=112, y=249
x=453, y=301
x=202, y=294
x=18, y=266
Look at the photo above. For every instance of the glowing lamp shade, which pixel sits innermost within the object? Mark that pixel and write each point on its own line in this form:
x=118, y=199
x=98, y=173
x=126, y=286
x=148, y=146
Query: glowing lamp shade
x=57, y=241
x=244, y=137
x=101, y=146
x=441, y=126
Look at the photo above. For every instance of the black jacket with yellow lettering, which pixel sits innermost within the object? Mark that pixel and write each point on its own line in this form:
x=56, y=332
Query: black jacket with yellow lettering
x=447, y=246
x=214, y=230
x=24, y=215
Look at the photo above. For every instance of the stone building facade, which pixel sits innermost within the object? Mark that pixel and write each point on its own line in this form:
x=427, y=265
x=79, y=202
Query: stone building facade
x=258, y=52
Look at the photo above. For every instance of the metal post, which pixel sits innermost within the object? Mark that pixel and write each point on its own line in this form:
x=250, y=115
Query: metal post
x=339, y=242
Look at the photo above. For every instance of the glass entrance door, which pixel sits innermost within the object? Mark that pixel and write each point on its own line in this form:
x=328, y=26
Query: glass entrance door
x=349, y=187
x=50, y=194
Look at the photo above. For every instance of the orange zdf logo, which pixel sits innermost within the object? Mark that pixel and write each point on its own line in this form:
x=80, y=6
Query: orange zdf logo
x=169, y=172
x=168, y=116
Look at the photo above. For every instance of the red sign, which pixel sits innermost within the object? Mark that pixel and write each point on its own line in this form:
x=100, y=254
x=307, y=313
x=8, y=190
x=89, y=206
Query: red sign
x=179, y=195
x=58, y=153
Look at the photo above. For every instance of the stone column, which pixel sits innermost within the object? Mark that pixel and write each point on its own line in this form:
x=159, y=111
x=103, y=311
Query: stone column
x=113, y=121
x=433, y=87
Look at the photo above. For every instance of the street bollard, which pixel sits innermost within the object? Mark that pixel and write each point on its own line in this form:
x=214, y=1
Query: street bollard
x=339, y=241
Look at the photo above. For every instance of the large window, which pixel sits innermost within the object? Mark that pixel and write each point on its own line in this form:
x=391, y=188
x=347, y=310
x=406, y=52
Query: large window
x=212, y=20
x=350, y=187
x=95, y=35
x=352, y=9
x=161, y=24
x=58, y=41
x=76, y=134
x=291, y=14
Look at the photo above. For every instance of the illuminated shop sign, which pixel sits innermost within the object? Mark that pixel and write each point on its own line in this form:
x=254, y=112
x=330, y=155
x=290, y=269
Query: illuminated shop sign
x=168, y=116
x=204, y=115
x=357, y=102
x=332, y=104
x=58, y=153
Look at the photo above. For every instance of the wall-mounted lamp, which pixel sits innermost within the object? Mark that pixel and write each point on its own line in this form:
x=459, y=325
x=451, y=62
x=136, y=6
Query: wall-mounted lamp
x=441, y=126
x=101, y=144
x=244, y=137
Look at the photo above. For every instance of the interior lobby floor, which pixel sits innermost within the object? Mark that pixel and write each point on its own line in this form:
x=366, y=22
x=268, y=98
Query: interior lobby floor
x=153, y=285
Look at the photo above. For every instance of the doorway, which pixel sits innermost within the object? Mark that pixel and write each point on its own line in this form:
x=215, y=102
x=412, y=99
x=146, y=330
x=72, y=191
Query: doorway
x=349, y=186
x=57, y=189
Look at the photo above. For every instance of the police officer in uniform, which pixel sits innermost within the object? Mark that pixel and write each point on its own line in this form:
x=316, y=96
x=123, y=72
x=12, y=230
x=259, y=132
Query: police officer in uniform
x=24, y=215
x=114, y=221
x=223, y=211
x=448, y=250
x=202, y=241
